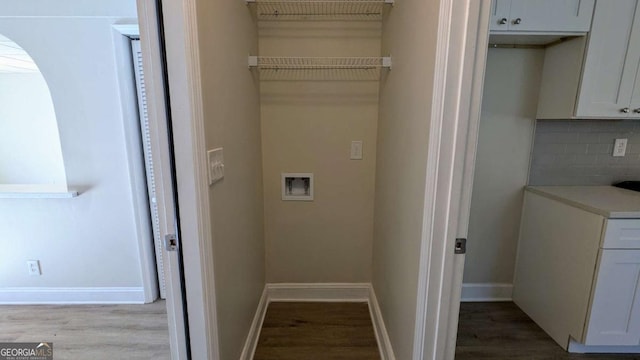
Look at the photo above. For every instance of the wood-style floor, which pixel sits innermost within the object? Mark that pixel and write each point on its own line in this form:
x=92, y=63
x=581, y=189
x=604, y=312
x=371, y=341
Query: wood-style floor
x=90, y=331
x=310, y=331
x=502, y=331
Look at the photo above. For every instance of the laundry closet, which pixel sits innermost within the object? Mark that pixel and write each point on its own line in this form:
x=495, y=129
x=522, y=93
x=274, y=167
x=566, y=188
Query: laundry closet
x=322, y=112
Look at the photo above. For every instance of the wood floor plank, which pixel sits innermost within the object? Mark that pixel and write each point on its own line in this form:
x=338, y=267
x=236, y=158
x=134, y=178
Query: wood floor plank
x=317, y=330
x=90, y=331
x=501, y=330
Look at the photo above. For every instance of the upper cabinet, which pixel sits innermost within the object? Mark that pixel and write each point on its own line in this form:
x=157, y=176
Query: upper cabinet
x=599, y=78
x=541, y=16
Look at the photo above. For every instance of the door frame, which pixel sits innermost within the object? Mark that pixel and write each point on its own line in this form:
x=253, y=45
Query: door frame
x=459, y=75
x=463, y=35
x=183, y=76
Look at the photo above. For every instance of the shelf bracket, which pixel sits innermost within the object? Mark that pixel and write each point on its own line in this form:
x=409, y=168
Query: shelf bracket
x=253, y=61
x=386, y=62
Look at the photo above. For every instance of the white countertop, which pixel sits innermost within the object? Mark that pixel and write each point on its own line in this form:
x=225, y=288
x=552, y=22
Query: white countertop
x=608, y=201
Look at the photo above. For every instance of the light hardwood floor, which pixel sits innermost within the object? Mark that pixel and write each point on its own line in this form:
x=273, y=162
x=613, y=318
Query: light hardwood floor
x=310, y=331
x=90, y=331
x=500, y=331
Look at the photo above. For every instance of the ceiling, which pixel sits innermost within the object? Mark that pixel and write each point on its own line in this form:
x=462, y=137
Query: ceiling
x=13, y=59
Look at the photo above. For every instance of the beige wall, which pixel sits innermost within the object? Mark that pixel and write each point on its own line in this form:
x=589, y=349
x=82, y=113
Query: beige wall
x=308, y=126
x=403, y=131
x=232, y=120
x=510, y=99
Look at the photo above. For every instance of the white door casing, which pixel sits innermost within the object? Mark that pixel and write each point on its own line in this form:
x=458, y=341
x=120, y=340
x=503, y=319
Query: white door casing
x=147, y=148
x=183, y=70
x=152, y=58
x=461, y=59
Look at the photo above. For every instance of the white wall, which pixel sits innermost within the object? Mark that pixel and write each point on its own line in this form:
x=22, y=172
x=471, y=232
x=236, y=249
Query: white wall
x=89, y=241
x=510, y=99
x=409, y=35
x=227, y=35
x=308, y=126
x=30, y=151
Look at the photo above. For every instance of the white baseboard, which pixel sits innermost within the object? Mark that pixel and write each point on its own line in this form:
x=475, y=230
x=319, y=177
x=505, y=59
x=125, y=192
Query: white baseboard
x=384, y=343
x=336, y=292
x=254, y=332
x=575, y=347
x=73, y=295
x=320, y=292
x=480, y=292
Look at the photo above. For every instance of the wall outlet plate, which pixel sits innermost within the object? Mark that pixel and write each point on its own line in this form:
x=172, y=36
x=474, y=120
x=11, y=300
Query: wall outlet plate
x=215, y=162
x=33, y=267
x=620, y=147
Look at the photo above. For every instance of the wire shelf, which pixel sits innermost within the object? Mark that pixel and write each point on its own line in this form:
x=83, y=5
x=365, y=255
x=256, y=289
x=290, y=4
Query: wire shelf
x=283, y=10
x=319, y=68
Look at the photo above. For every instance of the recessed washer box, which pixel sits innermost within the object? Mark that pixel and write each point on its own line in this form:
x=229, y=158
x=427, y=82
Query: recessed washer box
x=297, y=186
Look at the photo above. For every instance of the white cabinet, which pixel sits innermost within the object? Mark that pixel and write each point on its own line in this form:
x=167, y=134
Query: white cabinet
x=541, y=16
x=578, y=274
x=615, y=316
x=600, y=80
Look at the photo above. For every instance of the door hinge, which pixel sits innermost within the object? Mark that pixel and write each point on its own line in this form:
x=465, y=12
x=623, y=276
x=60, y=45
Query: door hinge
x=461, y=246
x=170, y=242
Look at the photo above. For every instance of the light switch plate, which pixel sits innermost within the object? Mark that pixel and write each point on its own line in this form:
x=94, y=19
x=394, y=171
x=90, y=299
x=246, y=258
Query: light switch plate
x=215, y=160
x=356, y=150
x=620, y=147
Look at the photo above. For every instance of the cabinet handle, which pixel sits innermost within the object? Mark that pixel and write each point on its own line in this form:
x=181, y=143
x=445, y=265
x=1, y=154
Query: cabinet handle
x=624, y=110
x=502, y=21
x=637, y=111
x=517, y=21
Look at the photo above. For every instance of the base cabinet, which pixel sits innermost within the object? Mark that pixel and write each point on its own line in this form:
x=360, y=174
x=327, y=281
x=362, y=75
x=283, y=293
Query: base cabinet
x=615, y=306
x=578, y=274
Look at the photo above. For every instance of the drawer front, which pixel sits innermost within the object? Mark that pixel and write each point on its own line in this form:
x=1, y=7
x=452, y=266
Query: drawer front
x=622, y=234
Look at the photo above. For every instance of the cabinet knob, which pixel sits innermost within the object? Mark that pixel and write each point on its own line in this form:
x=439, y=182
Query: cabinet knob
x=624, y=110
x=637, y=111
x=517, y=21
x=502, y=21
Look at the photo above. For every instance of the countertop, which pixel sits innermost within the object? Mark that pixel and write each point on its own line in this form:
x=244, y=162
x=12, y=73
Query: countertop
x=608, y=201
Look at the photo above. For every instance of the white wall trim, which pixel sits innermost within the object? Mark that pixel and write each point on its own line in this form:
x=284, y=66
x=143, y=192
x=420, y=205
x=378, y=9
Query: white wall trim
x=71, y=295
x=319, y=292
x=335, y=292
x=384, y=343
x=575, y=347
x=251, y=343
x=481, y=292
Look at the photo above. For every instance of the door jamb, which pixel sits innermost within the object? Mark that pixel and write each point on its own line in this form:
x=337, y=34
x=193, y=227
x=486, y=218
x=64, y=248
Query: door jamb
x=183, y=62
x=460, y=63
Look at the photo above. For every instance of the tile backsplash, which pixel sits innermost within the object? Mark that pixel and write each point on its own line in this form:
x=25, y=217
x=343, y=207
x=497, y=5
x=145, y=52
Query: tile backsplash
x=578, y=152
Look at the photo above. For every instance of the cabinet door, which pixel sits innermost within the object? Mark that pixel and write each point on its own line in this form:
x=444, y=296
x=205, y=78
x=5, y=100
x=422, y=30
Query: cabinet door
x=611, y=62
x=499, y=14
x=551, y=15
x=615, y=308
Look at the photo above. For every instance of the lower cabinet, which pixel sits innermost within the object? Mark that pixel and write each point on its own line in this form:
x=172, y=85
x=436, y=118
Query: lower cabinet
x=578, y=274
x=615, y=304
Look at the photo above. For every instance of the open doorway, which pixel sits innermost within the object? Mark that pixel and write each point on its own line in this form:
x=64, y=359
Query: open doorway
x=79, y=241
x=529, y=152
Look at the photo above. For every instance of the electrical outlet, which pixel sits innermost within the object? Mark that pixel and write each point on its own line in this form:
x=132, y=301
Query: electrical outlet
x=620, y=147
x=356, y=150
x=34, y=267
